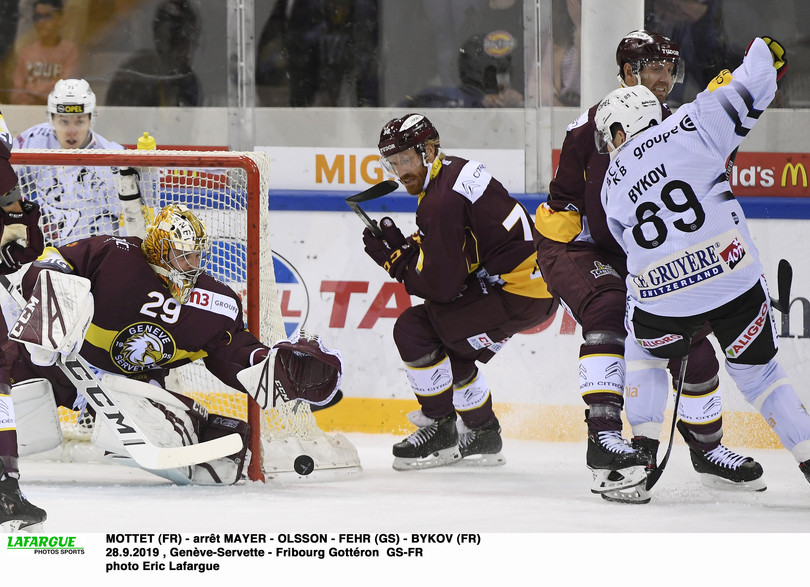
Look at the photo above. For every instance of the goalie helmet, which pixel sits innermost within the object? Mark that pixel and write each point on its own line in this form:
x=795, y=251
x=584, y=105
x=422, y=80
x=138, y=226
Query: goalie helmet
x=176, y=246
x=72, y=96
x=634, y=109
x=640, y=47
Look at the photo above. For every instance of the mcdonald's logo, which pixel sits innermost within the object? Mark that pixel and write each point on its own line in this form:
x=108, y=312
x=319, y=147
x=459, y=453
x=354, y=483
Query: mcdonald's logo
x=794, y=174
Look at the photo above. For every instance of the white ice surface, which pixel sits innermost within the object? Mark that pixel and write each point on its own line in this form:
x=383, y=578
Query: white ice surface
x=543, y=490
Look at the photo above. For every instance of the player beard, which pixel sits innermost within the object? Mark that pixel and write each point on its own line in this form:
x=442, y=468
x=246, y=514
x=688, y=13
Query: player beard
x=411, y=183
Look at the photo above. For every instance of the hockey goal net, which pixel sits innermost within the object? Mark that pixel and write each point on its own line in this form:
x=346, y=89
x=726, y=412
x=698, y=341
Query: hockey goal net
x=78, y=194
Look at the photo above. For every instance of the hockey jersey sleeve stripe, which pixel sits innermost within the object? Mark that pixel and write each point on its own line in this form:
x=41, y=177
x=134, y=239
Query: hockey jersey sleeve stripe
x=732, y=112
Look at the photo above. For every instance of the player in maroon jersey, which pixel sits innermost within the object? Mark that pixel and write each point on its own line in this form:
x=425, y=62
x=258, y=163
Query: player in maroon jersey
x=584, y=265
x=160, y=311
x=21, y=241
x=473, y=262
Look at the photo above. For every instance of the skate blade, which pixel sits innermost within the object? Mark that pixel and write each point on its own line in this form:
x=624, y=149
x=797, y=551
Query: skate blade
x=605, y=480
x=482, y=460
x=12, y=526
x=441, y=458
x=716, y=482
x=637, y=494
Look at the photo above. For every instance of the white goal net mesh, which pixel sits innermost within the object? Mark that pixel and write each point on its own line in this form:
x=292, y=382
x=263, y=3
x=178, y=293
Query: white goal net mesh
x=78, y=193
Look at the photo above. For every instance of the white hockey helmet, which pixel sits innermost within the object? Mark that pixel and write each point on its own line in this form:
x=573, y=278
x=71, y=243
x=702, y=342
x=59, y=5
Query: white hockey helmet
x=635, y=109
x=72, y=96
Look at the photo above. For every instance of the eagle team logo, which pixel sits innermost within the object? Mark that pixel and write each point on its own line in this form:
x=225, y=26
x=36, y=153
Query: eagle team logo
x=142, y=346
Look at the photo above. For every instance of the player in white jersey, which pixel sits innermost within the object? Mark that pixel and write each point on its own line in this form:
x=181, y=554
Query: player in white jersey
x=67, y=216
x=690, y=256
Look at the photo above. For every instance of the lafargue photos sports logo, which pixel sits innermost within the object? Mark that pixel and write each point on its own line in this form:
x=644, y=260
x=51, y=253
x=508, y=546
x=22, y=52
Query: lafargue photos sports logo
x=42, y=544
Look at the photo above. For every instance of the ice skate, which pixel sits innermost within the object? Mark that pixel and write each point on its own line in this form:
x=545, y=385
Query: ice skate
x=723, y=468
x=16, y=512
x=614, y=463
x=481, y=447
x=617, y=467
x=648, y=447
x=805, y=468
x=434, y=444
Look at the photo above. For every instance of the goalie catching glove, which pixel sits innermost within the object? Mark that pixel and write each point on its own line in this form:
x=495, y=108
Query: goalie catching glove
x=56, y=317
x=300, y=367
x=392, y=251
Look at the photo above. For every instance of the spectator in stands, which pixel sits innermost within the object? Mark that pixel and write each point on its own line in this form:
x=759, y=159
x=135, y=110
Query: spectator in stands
x=566, y=19
x=162, y=76
x=485, y=81
x=697, y=26
x=328, y=52
x=500, y=23
x=49, y=58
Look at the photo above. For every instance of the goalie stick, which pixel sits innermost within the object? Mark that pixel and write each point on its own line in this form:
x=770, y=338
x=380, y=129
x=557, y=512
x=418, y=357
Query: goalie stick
x=146, y=454
x=376, y=191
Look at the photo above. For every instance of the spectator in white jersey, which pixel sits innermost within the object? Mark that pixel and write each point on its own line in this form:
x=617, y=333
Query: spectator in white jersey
x=690, y=256
x=66, y=212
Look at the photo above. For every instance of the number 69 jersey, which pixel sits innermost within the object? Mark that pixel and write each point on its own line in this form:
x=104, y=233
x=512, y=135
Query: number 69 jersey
x=138, y=329
x=669, y=203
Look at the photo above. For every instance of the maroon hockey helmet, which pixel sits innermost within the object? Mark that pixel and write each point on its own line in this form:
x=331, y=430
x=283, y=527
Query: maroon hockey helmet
x=638, y=47
x=411, y=130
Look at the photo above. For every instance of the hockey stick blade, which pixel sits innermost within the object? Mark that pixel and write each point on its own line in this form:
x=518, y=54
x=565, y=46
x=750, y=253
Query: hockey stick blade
x=376, y=191
x=784, y=279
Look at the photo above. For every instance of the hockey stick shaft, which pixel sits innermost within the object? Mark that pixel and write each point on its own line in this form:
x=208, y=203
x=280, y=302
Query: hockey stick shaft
x=376, y=191
x=146, y=454
x=655, y=474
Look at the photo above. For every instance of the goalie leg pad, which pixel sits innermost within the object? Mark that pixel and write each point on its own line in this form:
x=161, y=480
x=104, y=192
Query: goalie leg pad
x=38, y=428
x=164, y=425
x=227, y=470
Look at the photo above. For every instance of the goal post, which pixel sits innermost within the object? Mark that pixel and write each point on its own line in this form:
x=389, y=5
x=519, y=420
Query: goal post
x=78, y=194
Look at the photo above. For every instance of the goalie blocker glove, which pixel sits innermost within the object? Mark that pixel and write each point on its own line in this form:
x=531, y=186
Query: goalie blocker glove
x=21, y=240
x=392, y=251
x=56, y=317
x=299, y=368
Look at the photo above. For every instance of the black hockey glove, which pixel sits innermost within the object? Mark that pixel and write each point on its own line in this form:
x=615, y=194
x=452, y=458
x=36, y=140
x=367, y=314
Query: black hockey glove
x=391, y=252
x=21, y=237
x=779, y=55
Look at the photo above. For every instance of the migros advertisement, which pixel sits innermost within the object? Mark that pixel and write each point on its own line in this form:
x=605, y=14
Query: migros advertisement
x=330, y=286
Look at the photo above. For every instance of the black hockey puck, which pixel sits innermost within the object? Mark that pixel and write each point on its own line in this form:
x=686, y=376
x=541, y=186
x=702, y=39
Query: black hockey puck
x=304, y=465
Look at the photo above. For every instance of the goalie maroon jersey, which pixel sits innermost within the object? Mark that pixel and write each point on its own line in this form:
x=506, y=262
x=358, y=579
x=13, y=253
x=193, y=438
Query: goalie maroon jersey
x=469, y=224
x=138, y=328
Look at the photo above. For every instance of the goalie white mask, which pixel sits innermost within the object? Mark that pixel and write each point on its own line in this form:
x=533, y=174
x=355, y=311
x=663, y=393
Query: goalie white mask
x=177, y=246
